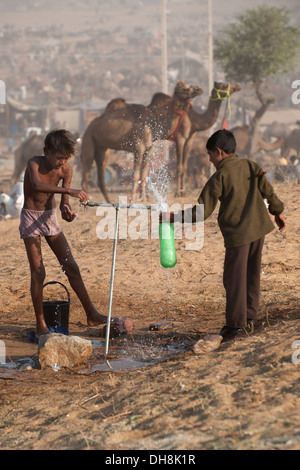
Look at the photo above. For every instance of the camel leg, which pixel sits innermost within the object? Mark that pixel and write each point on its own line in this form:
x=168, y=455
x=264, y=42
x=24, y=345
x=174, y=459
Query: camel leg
x=185, y=155
x=138, y=160
x=144, y=174
x=183, y=179
x=101, y=158
x=20, y=164
x=179, y=180
x=179, y=173
x=85, y=172
x=87, y=157
x=180, y=170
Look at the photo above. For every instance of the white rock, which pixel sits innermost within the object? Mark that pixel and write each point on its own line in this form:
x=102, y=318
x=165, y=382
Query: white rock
x=65, y=351
x=207, y=344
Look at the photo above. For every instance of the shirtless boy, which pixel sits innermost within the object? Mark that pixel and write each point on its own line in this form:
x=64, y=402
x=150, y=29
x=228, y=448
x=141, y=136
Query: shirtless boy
x=39, y=218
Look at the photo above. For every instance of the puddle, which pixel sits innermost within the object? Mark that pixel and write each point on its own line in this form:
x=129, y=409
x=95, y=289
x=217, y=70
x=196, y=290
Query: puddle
x=17, y=355
x=114, y=365
x=124, y=354
x=127, y=355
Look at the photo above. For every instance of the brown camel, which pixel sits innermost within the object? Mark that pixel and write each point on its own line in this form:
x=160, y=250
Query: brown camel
x=32, y=146
x=242, y=137
x=158, y=121
x=133, y=128
x=193, y=122
x=292, y=142
x=198, y=169
x=198, y=166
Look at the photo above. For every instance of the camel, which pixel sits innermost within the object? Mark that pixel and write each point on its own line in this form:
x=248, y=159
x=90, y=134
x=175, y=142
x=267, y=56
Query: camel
x=291, y=137
x=32, y=146
x=277, y=130
x=292, y=142
x=198, y=169
x=242, y=137
x=193, y=122
x=133, y=128
x=198, y=166
x=141, y=126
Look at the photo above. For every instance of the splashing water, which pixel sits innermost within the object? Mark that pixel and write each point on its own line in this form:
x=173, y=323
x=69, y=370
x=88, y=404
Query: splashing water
x=81, y=208
x=159, y=184
x=158, y=178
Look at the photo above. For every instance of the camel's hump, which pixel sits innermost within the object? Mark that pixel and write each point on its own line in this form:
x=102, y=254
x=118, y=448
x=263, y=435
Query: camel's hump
x=159, y=99
x=116, y=103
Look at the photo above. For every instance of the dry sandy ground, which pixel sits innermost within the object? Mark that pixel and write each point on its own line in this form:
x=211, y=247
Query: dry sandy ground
x=244, y=395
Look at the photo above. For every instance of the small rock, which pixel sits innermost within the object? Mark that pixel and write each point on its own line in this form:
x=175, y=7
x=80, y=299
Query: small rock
x=207, y=344
x=65, y=351
x=118, y=327
x=163, y=325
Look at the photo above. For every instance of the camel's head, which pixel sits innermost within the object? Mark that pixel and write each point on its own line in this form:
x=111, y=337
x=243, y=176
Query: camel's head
x=185, y=92
x=222, y=90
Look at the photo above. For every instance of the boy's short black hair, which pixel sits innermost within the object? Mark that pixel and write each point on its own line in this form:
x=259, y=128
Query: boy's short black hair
x=222, y=139
x=60, y=141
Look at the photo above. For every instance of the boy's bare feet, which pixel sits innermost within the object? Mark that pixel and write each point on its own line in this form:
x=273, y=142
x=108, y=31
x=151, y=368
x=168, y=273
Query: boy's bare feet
x=41, y=331
x=94, y=318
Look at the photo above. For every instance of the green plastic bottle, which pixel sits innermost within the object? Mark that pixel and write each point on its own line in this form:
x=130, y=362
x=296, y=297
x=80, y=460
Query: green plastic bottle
x=168, y=258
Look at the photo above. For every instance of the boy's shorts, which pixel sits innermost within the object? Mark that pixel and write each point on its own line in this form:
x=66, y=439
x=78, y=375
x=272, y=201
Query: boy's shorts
x=39, y=223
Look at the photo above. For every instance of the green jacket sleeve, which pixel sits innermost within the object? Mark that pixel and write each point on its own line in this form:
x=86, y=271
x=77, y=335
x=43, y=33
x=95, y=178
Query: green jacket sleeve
x=267, y=191
x=210, y=196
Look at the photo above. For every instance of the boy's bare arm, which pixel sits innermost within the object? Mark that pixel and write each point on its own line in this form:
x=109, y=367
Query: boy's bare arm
x=40, y=186
x=66, y=211
x=66, y=183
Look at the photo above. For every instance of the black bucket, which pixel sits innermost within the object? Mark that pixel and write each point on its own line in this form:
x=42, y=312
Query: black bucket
x=56, y=312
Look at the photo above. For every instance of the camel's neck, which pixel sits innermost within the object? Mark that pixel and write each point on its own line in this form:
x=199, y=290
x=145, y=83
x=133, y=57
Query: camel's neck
x=203, y=121
x=180, y=106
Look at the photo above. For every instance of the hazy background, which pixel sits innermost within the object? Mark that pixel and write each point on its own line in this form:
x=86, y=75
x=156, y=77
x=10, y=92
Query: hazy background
x=82, y=54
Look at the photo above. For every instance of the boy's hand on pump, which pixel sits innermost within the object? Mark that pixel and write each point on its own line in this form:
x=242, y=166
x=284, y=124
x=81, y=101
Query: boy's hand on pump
x=80, y=194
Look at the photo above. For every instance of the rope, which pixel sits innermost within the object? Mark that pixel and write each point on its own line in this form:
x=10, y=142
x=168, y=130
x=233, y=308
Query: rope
x=220, y=98
x=183, y=114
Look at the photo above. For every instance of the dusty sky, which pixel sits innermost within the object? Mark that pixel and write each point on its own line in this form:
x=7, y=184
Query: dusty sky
x=74, y=14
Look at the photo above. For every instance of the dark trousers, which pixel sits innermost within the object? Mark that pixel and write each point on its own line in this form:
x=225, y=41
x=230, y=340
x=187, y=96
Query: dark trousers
x=241, y=280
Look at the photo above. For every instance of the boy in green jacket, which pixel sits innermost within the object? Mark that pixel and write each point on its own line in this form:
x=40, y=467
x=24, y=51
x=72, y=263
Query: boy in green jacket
x=241, y=187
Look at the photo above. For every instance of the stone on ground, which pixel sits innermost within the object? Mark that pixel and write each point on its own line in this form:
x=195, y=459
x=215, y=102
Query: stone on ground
x=207, y=344
x=118, y=327
x=65, y=351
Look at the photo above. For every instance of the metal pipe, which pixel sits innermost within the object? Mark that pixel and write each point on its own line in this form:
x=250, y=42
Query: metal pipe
x=122, y=206
x=112, y=281
x=117, y=206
